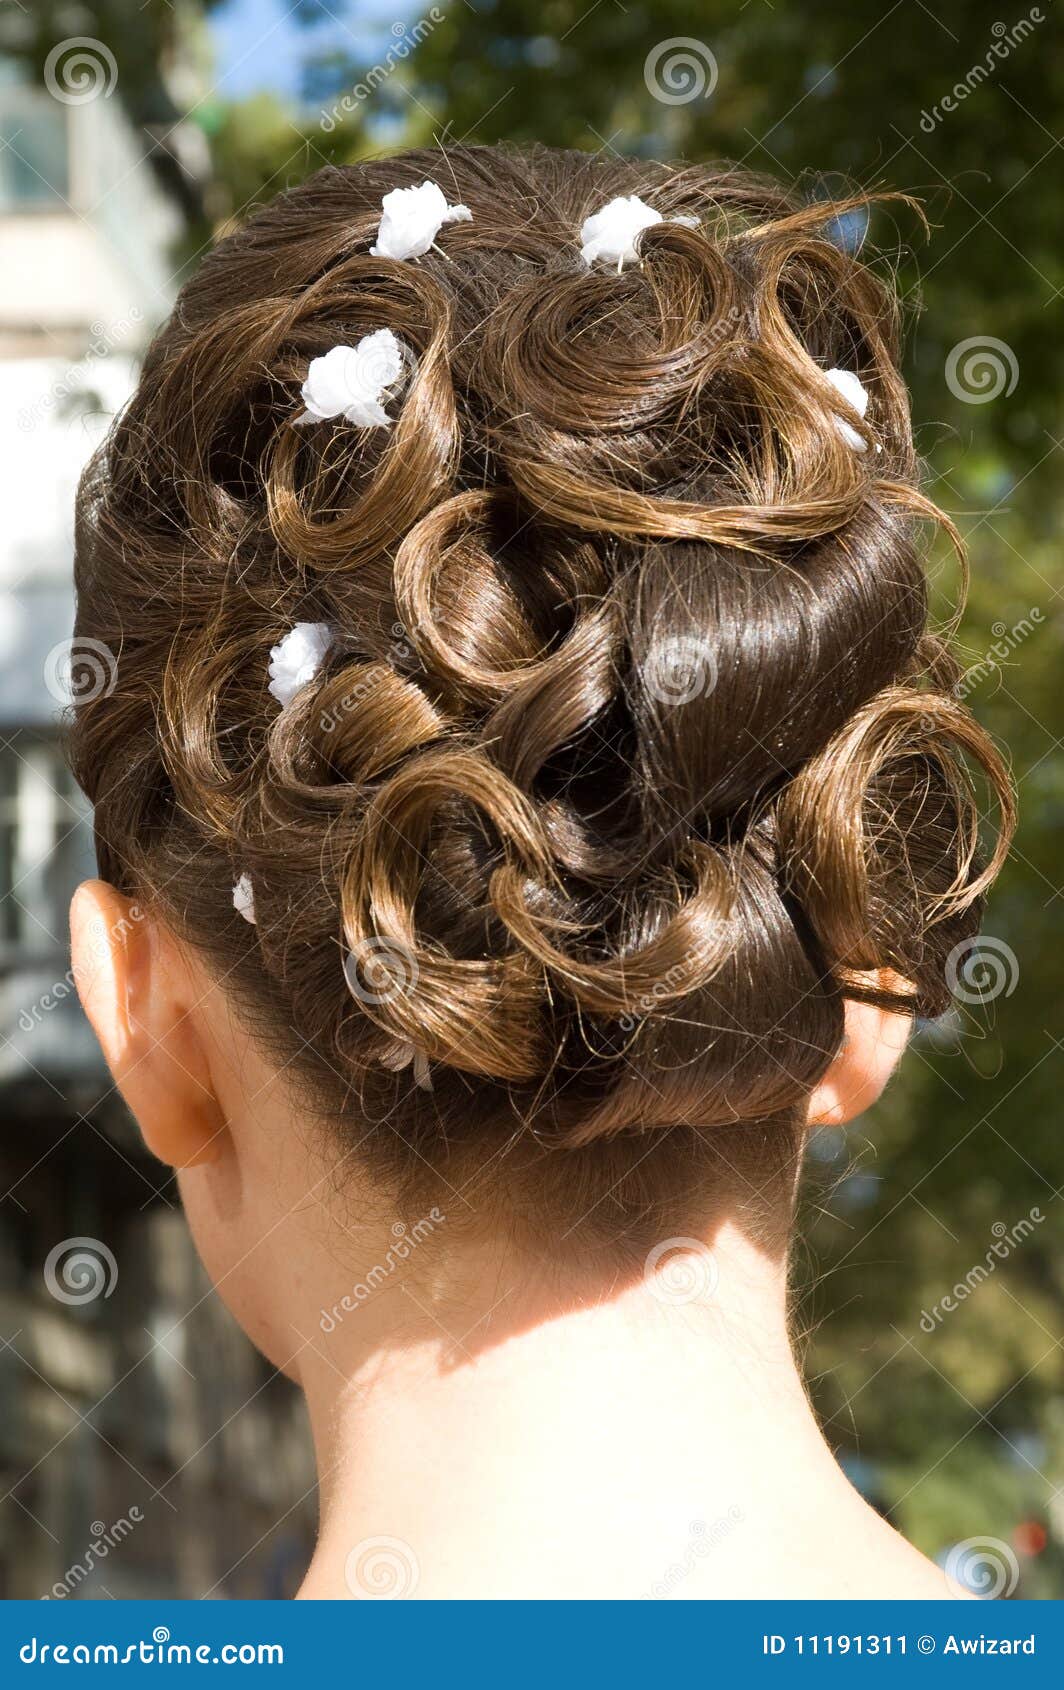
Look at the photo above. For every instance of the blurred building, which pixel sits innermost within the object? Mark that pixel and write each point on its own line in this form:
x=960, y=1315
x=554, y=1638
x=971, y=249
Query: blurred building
x=145, y=1449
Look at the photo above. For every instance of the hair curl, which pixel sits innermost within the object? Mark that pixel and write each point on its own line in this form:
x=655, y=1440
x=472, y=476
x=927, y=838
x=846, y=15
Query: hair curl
x=633, y=757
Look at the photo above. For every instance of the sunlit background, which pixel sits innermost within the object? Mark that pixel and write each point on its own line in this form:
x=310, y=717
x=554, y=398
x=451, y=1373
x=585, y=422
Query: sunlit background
x=144, y=1449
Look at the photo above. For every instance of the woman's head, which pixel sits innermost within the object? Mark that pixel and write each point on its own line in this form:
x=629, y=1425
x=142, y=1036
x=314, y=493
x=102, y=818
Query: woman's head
x=627, y=760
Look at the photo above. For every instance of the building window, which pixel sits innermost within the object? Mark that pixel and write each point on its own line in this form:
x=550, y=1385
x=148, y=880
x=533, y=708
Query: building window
x=43, y=847
x=34, y=162
x=8, y=849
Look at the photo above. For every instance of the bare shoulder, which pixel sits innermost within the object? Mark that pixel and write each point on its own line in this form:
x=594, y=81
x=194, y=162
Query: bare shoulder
x=878, y=1562
x=858, y=1557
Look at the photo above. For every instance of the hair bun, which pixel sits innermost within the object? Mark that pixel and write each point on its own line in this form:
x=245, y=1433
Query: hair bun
x=624, y=755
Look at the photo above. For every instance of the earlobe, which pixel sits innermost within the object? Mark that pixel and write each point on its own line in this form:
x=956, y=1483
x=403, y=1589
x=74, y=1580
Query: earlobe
x=139, y=998
x=875, y=1039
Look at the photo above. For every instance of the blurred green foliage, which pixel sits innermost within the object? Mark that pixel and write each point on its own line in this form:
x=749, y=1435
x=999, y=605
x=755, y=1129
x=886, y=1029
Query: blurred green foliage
x=960, y=1429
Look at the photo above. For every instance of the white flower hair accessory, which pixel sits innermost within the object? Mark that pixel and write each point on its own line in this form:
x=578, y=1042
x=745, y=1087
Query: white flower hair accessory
x=401, y=1055
x=351, y=381
x=856, y=396
x=411, y=220
x=611, y=233
x=244, y=898
x=296, y=659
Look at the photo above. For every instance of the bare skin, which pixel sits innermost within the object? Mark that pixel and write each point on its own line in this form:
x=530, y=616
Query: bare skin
x=628, y=1449
x=484, y=1426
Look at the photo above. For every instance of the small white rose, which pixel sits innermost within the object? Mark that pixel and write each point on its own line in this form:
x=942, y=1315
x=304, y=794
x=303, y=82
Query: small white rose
x=350, y=381
x=296, y=659
x=244, y=898
x=412, y=218
x=611, y=233
x=856, y=396
x=401, y=1055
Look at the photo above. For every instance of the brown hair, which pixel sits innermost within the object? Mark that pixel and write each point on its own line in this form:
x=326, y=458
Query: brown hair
x=632, y=754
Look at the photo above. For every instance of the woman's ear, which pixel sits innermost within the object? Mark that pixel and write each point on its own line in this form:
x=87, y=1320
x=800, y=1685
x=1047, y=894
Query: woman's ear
x=875, y=1039
x=140, y=996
